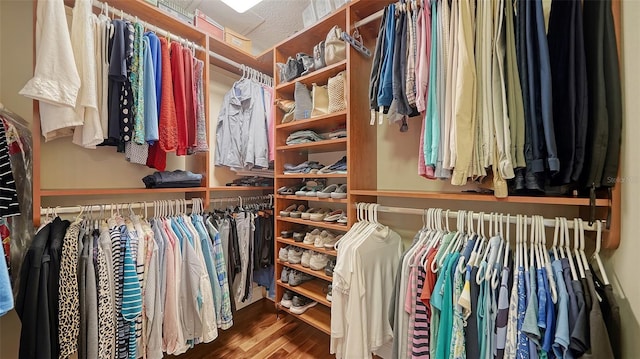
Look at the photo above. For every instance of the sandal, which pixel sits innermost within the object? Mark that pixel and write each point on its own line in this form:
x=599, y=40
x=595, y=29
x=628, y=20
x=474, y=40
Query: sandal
x=340, y=192
x=320, y=215
x=302, y=192
x=343, y=220
x=298, y=212
x=287, y=211
x=333, y=216
x=315, y=190
x=327, y=191
x=307, y=214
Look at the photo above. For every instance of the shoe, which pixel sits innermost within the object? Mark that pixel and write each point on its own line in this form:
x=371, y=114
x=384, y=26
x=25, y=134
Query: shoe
x=328, y=270
x=330, y=243
x=306, y=257
x=294, y=255
x=326, y=192
x=315, y=190
x=309, y=212
x=300, y=304
x=329, y=293
x=283, y=254
x=286, y=234
x=323, y=238
x=296, y=278
x=318, y=261
x=310, y=186
x=287, y=211
x=340, y=193
x=284, y=277
x=297, y=213
x=332, y=217
x=287, y=299
x=343, y=220
x=310, y=238
x=298, y=236
x=320, y=215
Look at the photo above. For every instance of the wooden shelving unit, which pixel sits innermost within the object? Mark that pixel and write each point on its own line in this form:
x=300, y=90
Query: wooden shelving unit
x=320, y=75
x=318, y=317
x=312, y=289
x=324, y=122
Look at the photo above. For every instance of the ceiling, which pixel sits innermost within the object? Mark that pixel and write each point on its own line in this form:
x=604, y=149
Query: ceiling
x=266, y=24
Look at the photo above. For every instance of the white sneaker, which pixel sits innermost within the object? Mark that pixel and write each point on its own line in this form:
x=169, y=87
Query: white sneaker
x=294, y=255
x=283, y=254
x=310, y=238
x=331, y=243
x=287, y=299
x=318, y=261
x=323, y=238
x=306, y=257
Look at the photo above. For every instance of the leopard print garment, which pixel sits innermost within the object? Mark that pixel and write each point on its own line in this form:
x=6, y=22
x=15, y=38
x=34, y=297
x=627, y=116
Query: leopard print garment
x=69, y=301
x=106, y=307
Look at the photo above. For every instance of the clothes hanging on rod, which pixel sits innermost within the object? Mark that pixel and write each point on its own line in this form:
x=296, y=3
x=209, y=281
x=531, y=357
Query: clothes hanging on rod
x=152, y=286
x=246, y=118
x=488, y=111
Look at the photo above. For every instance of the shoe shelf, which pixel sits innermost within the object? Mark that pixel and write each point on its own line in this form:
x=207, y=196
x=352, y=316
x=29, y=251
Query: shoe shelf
x=339, y=144
x=319, y=77
x=311, y=199
x=313, y=175
x=322, y=224
x=318, y=316
x=313, y=289
x=289, y=241
x=324, y=123
x=316, y=273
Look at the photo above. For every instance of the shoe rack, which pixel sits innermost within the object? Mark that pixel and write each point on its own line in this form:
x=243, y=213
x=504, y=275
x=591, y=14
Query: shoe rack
x=357, y=146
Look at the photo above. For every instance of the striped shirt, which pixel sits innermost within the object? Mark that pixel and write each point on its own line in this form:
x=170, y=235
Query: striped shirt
x=225, y=319
x=8, y=194
x=420, y=340
x=131, y=295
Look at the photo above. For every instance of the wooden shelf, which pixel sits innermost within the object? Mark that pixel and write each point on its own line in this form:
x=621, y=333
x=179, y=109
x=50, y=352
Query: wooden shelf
x=313, y=175
x=312, y=289
x=318, y=317
x=319, y=77
x=315, y=273
x=288, y=241
x=306, y=222
x=566, y=201
x=339, y=144
x=311, y=199
x=305, y=40
x=324, y=122
x=240, y=188
x=262, y=62
x=115, y=191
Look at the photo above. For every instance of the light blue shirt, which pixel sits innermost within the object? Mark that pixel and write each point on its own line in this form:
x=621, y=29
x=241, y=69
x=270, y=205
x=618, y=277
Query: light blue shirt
x=561, y=340
x=6, y=295
x=150, y=100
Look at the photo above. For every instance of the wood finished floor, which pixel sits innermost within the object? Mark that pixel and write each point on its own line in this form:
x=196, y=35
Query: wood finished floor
x=257, y=333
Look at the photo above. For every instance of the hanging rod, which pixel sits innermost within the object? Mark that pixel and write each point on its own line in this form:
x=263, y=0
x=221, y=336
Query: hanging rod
x=108, y=207
x=548, y=222
x=117, y=12
x=373, y=17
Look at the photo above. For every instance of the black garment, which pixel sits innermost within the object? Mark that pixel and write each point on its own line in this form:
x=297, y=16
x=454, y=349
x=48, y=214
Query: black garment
x=32, y=303
x=400, y=67
x=471, y=330
x=117, y=77
x=573, y=301
x=58, y=231
x=582, y=96
x=610, y=313
x=253, y=233
x=605, y=108
x=580, y=334
x=266, y=252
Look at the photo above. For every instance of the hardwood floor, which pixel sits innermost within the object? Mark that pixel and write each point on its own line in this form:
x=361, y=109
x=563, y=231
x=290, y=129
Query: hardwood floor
x=257, y=333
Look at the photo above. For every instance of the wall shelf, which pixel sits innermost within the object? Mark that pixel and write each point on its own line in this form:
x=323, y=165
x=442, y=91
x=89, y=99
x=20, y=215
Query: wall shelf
x=566, y=201
x=291, y=242
x=306, y=222
x=329, y=121
x=313, y=289
x=313, y=175
x=311, y=199
x=115, y=191
x=319, y=77
x=339, y=144
x=315, y=273
x=318, y=317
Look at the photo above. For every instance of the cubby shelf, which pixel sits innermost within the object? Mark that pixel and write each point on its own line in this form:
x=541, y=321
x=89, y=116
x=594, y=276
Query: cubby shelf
x=318, y=316
x=339, y=144
x=311, y=199
x=319, y=76
x=316, y=273
x=327, y=122
x=288, y=241
x=306, y=222
x=313, y=289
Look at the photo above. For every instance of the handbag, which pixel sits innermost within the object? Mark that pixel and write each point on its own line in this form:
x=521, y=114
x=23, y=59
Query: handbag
x=306, y=61
x=337, y=90
x=335, y=49
x=290, y=70
x=318, y=55
x=304, y=104
x=320, y=99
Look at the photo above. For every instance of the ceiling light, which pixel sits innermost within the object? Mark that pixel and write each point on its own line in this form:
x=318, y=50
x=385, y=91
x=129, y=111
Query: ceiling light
x=241, y=5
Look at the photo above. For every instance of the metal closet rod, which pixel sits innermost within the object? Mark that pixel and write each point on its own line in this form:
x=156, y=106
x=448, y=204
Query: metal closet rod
x=453, y=214
x=117, y=12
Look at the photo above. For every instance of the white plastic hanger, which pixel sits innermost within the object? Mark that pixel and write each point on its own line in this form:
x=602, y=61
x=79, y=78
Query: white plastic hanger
x=596, y=254
x=574, y=274
x=554, y=247
x=583, y=256
x=525, y=251
x=576, y=247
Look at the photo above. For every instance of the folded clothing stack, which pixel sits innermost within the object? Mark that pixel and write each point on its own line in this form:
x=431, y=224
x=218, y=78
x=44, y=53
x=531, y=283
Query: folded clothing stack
x=339, y=167
x=174, y=179
x=304, y=167
x=336, y=133
x=252, y=182
x=303, y=136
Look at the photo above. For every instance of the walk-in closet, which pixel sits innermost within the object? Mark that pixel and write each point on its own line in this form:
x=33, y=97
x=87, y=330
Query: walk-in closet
x=344, y=179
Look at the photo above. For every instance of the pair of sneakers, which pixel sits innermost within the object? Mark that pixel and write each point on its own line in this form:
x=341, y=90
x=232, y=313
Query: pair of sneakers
x=296, y=303
x=294, y=277
x=320, y=239
x=314, y=260
x=291, y=254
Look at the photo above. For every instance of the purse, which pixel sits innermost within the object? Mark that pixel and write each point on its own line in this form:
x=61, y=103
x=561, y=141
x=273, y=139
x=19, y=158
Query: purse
x=337, y=90
x=304, y=104
x=335, y=49
x=318, y=55
x=290, y=70
x=307, y=62
x=285, y=105
x=320, y=99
